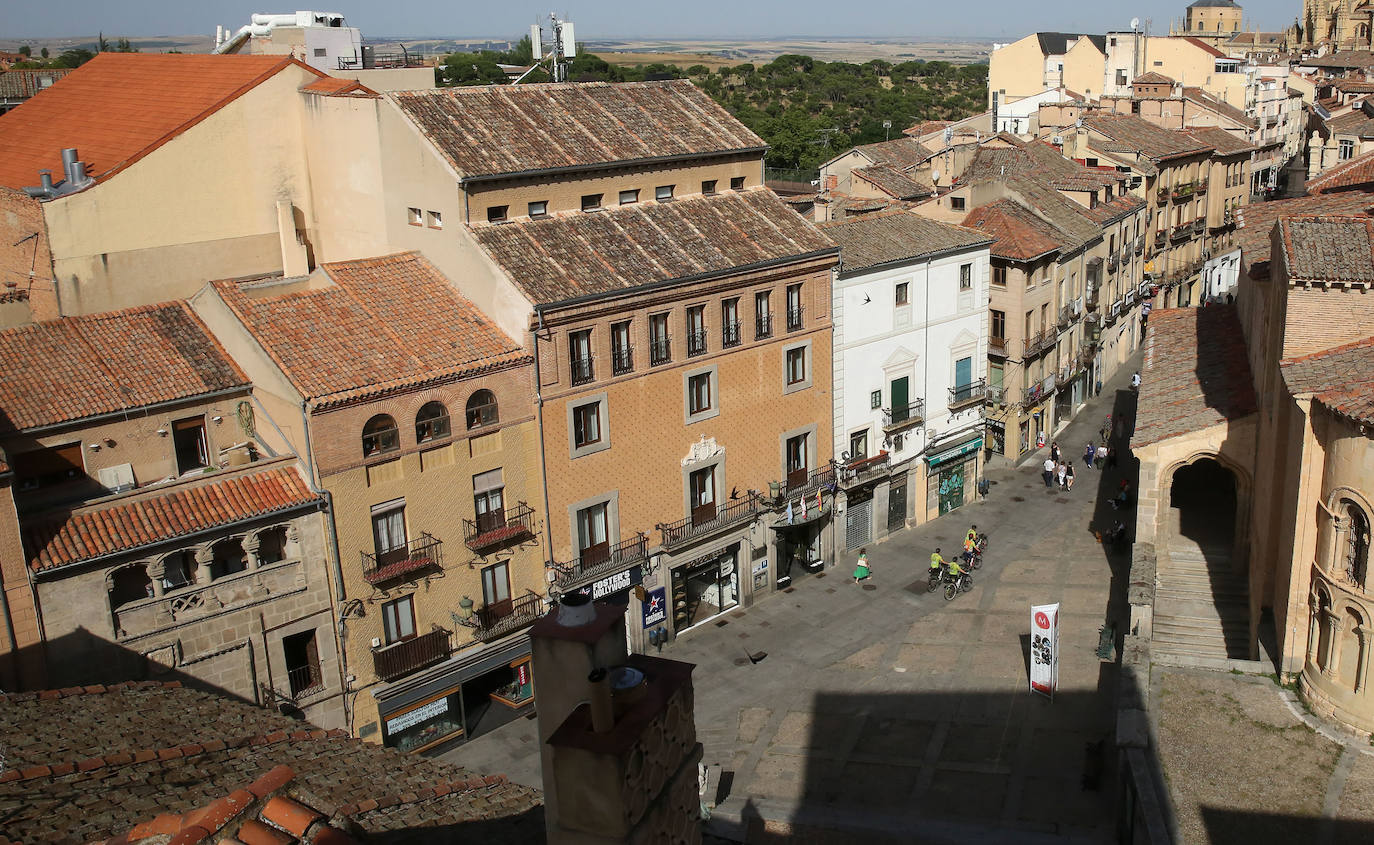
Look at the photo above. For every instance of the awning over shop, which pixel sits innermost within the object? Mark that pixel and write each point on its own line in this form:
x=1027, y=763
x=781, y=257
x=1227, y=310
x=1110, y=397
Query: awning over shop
x=955, y=452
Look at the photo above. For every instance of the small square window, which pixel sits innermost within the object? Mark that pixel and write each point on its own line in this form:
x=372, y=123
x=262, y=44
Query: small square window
x=965, y=277
x=708, y=187
x=736, y=183
x=321, y=52
x=956, y=203
x=875, y=399
x=587, y=425
x=414, y=217
x=796, y=365
x=539, y=209
x=664, y=192
x=591, y=202
x=699, y=393
x=999, y=277
x=900, y=298
x=436, y=219
x=497, y=213
x=858, y=445
x=629, y=197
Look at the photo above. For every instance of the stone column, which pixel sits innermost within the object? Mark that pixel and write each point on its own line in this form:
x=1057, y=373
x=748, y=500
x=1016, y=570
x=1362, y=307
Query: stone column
x=1333, y=650
x=1340, y=529
x=1362, y=669
x=251, y=544
x=157, y=570
x=205, y=556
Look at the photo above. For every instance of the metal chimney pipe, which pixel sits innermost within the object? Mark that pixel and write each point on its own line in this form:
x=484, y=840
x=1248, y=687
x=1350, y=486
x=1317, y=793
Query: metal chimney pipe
x=79, y=179
x=45, y=180
x=69, y=161
x=603, y=711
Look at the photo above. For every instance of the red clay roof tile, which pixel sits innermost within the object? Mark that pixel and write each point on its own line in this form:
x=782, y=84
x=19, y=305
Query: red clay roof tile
x=1196, y=373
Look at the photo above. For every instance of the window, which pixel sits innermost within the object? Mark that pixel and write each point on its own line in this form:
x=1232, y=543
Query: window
x=900, y=297
x=497, y=213
x=875, y=399
x=708, y=187
x=659, y=350
x=995, y=381
x=763, y=317
x=1120, y=74
x=321, y=52
x=698, y=393
x=1030, y=325
x=999, y=276
x=1030, y=278
x=629, y=196
x=436, y=220
x=796, y=461
x=956, y=203
x=481, y=409
x=431, y=423
x=965, y=277
x=389, y=533
x=129, y=584
x=858, y=445
x=664, y=193
x=398, y=620
x=1356, y=551
x=702, y=488
x=736, y=183
x=593, y=532
x=179, y=570
x=794, y=307
x=580, y=356
x=729, y=322
x=413, y=217
x=796, y=366
x=696, y=330
x=380, y=436
x=999, y=325
x=1347, y=149
x=302, y=662
x=48, y=467
x=188, y=438
x=591, y=202
x=622, y=357
x=539, y=209
x=488, y=490
x=227, y=558
x=496, y=589
x=586, y=425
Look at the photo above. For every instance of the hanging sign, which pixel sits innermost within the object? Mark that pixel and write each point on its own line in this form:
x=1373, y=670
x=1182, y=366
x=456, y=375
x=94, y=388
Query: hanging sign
x=1044, y=649
x=655, y=607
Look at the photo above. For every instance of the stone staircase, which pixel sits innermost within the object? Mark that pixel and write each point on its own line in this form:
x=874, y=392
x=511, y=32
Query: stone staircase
x=1202, y=610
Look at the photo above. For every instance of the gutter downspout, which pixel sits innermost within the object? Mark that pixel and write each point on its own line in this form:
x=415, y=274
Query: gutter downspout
x=539, y=421
x=328, y=505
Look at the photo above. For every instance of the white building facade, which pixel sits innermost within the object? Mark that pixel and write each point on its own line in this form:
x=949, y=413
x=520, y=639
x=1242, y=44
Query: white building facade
x=910, y=344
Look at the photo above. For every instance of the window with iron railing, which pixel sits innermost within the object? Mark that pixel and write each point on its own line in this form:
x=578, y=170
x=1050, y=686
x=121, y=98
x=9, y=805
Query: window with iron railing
x=729, y=323
x=622, y=357
x=763, y=316
x=659, y=350
x=696, y=330
x=794, y=307
x=580, y=356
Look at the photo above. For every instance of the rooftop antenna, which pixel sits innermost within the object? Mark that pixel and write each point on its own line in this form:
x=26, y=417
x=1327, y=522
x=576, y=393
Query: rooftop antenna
x=562, y=47
x=1135, y=24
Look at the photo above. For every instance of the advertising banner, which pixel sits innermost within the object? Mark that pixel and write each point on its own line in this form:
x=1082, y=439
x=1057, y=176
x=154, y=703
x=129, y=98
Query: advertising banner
x=1044, y=649
x=655, y=607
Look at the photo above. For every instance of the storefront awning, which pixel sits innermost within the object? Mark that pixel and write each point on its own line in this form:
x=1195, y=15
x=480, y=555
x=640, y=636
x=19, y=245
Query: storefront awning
x=812, y=517
x=955, y=452
x=457, y=669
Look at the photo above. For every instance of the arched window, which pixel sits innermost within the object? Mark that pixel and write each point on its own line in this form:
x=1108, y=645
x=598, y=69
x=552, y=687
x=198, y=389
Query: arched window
x=380, y=435
x=1355, y=555
x=481, y=409
x=228, y=559
x=271, y=545
x=129, y=584
x=431, y=423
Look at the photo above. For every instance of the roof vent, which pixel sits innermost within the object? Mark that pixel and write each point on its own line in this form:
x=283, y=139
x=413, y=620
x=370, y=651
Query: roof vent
x=74, y=169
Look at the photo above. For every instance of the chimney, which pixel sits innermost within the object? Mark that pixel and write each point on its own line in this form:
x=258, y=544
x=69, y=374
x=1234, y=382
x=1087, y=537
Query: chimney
x=45, y=181
x=69, y=162
x=603, y=711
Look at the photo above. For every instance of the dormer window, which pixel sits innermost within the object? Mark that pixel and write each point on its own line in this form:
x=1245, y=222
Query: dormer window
x=497, y=213
x=663, y=193
x=539, y=209
x=591, y=202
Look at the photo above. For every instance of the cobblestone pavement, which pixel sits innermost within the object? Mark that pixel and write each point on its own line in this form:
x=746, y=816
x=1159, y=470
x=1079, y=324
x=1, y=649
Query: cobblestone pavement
x=883, y=709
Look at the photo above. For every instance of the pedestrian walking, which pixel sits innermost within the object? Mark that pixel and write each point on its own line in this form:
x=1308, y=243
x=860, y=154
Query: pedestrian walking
x=1068, y=477
x=1054, y=451
x=1061, y=472
x=1049, y=473
x=1088, y=452
x=1111, y=456
x=1102, y=452
x=862, y=571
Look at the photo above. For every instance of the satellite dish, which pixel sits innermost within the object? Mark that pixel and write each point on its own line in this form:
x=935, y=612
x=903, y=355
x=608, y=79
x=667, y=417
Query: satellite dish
x=1135, y=24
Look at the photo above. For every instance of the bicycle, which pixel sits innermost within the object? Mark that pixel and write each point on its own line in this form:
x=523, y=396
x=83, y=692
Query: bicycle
x=961, y=583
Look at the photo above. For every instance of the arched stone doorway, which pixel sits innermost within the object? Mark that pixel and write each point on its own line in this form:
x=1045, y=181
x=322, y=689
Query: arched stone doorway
x=1202, y=503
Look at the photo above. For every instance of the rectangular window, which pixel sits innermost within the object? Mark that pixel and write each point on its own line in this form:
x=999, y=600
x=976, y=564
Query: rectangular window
x=586, y=424
x=664, y=193
x=696, y=330
x=794, y=307
x=436, y=220
x=1347, y=149
x=321, y=52
x=414, y=217
x=389, y=534
x=875, y=399
x=965, y=277
x=496, y=589
x=736, y=183
x=497, y=213
x=999, y=276
x=729, y=322
x=660, y=352
x=539, y=209
x=488, y=500
x=763, y=317
x=622, y=357
x=699, y=394
x=956, y=203
x=708, y=187
x=796, y=461
x=188, y=438
x=1030, y=325
x=702, y=488
x=48, y=467
x=591, y=202
x=999, y=325
x=900, y=297
x=302, y=662
x=858, y=445
x=398, y=620
x=629, y=197
x=796, y=365
x=580, y=356
x=593, y=531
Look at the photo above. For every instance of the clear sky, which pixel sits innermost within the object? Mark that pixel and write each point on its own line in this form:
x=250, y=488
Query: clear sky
x=598, y=19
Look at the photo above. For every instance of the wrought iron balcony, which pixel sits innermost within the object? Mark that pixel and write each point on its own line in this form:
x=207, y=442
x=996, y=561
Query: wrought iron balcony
x=1065, y=317
x=1037, y=342
x=419, y=554
x=497, y=620
x=1200, y=188
x=763, y=326
x=730, y=334
x=997, y=394
x=400, y=659
x=963, y=395
x=997, y=346
x=794, y=318
x=304, y=680
x=498, y=529
x=733, y=513
x=1038, y=392
x=622, y=361
x=903, y=416
x=696, y=343
x=582, y=570
x=1181, y=232
x=866, y=469
x=1139, y=245
x=660, y=351
x=812, y=481
x=582, y=371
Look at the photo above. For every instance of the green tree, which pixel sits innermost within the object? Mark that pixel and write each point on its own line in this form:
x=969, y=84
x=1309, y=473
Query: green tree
x=25, y=50
x=101, y=45
x=123, y=46
x=73, y=58
x=43, y=52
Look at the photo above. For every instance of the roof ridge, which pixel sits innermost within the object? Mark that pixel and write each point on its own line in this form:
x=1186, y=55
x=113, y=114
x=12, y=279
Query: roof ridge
x=1334, y=350
x=427, y=793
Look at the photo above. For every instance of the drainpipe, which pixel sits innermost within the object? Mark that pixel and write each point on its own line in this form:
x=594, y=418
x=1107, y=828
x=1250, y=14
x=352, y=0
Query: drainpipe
x=328, y=505
x=539, y=421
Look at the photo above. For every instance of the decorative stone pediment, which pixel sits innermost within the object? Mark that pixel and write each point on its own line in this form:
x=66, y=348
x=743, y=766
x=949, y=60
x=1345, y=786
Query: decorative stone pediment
x=703, y=450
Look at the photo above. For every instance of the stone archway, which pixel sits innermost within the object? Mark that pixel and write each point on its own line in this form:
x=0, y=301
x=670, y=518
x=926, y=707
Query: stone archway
x=1203, y=504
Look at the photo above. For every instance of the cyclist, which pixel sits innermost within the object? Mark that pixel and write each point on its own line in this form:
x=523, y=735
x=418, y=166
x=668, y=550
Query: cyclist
x=954, y=569
x=970, y=544
x=937, y=562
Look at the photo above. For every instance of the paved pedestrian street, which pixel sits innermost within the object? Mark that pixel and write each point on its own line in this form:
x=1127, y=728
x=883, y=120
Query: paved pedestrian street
x=881, y=708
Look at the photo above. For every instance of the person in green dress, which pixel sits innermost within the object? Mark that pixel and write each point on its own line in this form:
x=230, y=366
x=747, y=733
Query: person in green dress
x=862, y=571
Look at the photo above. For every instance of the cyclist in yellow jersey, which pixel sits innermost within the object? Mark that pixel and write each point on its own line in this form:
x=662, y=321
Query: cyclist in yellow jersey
x=936, y=561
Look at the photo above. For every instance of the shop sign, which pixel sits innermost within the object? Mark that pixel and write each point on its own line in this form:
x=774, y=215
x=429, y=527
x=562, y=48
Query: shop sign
x=655, y=607
x=1044, y=668
x=761, y=567
x=615, y=583
x=423, y=713
x=957, y=452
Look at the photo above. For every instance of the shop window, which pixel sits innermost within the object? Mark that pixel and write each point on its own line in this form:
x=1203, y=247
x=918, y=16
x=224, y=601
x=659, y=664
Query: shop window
x=593, y=533
x=702, y=484
x=426, y=724
x=858, y=445
x=496, y=591
x=302, y=662
x=398, y=620
x=130, y=584
x=380, y=436
x=389, y=534
x=705, y=588
x=188, y=439
x=431, y=423
x=227, y=558
x=48, y=467
x=481, y=409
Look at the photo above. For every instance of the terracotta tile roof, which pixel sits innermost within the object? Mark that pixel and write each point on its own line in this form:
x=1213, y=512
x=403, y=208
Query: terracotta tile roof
x=1207, y=48
x=333, y=86
x=118, y=107
x=1256, y=221
x=1225, y=143
x=1343, y=59
x=1353, y=86
x=898, y=235
x=624, y=247
x=1354, y=173
x=24, y=83
x=893, y=182
x=1152, y=78
x=1077, y=226
x=1018, y=234
x=368, y=327
x=1328, y=249
x=1142, y=137
x=77, y=367
x=899, y=153
x=189, y=508
x=1037, y=159
x=1196, y=373
x=926, y=127
x=503, y=129
x=1342, y=378
x=1355, y=123
x=129, y=762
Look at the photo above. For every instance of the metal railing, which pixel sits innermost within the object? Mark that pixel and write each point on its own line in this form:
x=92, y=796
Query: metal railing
x=815, y=480
x=496, y=621
x=912, y=413
x=582, y=370
x=696, y=343
x=997, y=394
x=578, y=571
x=511, y=526
x=763, y=326
x=400, y=659
x=422, y=552
x=736, y=511
x=997, y=346
x=304, y=679
x=794, y=318
x=967, y=394
x=660, y=351
x=622, y=361
x=1036, y=342
x=730, y=334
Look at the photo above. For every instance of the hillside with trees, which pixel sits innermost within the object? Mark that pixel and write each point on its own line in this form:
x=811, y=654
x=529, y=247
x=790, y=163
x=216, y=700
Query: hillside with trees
x=807, y=110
